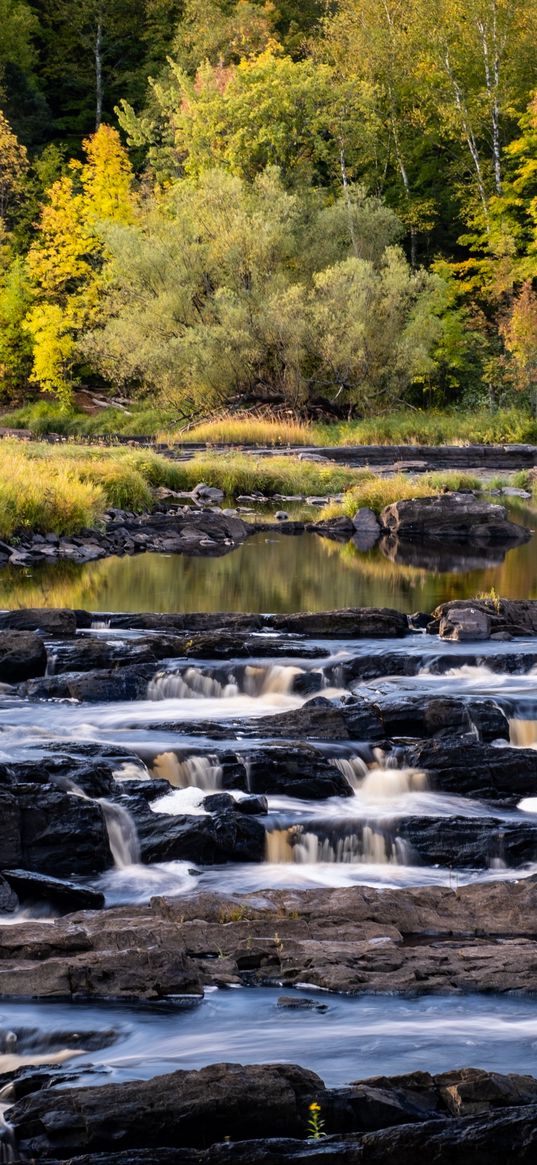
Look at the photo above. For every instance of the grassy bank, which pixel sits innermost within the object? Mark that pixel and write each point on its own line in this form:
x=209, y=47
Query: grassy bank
x=378, y=492
x=62, y=489
x=406, y=427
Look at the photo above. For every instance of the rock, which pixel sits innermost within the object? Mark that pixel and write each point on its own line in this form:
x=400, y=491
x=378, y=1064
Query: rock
x=22, y=656
x=228, y=836
x=187, y=1108
x=445, y=716
x=281, y=516
x=208, y=493
x=338, y=529
x=9, y=902
x=94, y=687
x=465, y=623
x=470, y=769
x=64, y=895
x=258, y=806
x=452, y=517
x=514, y=616
x=50, y=832
x=52, y=621
x=353, y=623
x=299, y=1003
x=365, y=521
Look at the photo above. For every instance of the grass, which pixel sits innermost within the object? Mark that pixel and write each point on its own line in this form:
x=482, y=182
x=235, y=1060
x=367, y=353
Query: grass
x=402, y=427
x=378, y=492
x=244, y=430
x=63, y=488
x=406, y=427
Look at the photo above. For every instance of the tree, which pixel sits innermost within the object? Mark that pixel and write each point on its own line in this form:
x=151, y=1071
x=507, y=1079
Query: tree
x=93, y=54
x=65, y=263
x=13, y=172
x=519, y=332
x=267, y=111
x=216, y=293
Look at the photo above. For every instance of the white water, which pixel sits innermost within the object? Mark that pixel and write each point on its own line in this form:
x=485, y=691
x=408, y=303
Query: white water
x=200, y=772
x=122, y=835
x=7, y=1136
x=369, y=847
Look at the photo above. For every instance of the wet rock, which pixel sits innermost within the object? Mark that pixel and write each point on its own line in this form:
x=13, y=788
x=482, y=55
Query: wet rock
x=451, y=517
x=471, y=769
x=227, y=836
x=95, y=687
x=22, y=655
x=187, y=1108
x=300, y=1003
x=50, y=832
x=353, y=623
x=295, y=772
x=514, y=616
x=465, y=623
x=258, y=806
x=65, y=895
x=444, y=716
x=91, y=653
x=8, y=899
x=58, y=622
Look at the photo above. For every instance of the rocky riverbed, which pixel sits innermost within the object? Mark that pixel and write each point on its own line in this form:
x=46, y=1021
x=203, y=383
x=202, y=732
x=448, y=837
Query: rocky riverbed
x=341, y=802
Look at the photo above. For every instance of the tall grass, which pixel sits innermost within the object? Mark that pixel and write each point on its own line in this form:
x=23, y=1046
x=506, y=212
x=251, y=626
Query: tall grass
x=378, y=492
x=60, y=489
x=403, y=427
x=406, y=427
x=243, y=430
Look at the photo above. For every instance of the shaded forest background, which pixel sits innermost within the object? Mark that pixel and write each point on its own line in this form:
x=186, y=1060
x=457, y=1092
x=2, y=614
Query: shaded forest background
x=212, y=201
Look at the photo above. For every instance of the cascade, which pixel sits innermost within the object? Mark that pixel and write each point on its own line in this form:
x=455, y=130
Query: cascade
x=303, y=847
x=381, y=781
x=262, y=681
x=523, y=733
x=7, y=1135
x=122, y=834
x=120, y=827
x=188, y=685
x=202, y=772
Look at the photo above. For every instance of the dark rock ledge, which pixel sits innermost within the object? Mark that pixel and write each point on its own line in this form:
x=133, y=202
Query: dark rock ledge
x=259, y=1114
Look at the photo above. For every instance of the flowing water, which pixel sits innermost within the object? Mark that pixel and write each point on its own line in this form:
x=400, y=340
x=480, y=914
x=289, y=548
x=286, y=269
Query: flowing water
x=349, y=1040
x=193, y=715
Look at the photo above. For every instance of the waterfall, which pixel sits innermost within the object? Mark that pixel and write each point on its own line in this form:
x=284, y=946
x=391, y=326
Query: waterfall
x=122, y=835
x=120, y=827
x=189, y=685
x=7, y=1134
x=131, y=771
x=262, y=681
x=353, y=768
x=523, y=733
x=380, y=783
x=303, y=847
x=200, y=772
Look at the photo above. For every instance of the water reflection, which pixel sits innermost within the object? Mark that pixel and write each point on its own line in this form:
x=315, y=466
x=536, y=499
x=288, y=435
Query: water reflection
x=272, y=572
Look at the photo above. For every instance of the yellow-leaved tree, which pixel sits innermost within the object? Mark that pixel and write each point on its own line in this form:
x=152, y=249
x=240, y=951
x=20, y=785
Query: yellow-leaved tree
x=66, y=261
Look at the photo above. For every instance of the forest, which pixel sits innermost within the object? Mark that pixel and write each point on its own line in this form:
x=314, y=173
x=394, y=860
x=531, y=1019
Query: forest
x=326, y=206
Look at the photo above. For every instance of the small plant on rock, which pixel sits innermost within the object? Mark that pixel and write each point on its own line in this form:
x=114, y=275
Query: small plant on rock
x=315, y=1123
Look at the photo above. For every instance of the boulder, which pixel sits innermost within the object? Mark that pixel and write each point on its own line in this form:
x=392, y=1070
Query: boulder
x=465, y=623
x=9, y=902
x=22, y=656
x=472, y=769
x=228, y=836
x=353, y=623
x=53, y=621
x=455, y=517
x=186, y=1108
x=65, y=895
x=367, y=528
x=512, y=616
